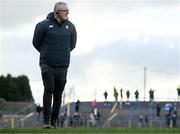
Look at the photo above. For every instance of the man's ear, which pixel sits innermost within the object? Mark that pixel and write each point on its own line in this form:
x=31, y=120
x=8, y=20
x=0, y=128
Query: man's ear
x=55, y=15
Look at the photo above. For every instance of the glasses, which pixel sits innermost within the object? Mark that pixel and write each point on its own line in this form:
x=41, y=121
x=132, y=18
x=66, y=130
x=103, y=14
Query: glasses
x=63, y=10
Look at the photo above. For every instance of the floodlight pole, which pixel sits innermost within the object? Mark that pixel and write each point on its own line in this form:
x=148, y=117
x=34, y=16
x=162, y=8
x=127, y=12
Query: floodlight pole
x=145, y=83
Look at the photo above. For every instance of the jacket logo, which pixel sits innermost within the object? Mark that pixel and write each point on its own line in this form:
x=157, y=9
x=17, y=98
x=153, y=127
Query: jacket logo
x=67, y=27
x=50, y=26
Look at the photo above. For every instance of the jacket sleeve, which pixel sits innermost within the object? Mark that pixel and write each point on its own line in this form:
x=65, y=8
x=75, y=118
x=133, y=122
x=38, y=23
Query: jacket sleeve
x=73, y=38
x=38, y=36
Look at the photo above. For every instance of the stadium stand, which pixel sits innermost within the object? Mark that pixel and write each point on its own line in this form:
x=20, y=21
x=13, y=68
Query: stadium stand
x=130, y=114
x=126, y=114
x=16, y=114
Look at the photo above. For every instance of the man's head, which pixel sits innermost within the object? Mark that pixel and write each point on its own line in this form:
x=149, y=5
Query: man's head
x=61, y=11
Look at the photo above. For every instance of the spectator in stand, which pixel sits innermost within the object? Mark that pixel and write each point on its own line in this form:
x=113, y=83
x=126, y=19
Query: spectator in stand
x=168, y=119
x=146, y=120
x=76, y=118
x=121, y=92
x=158, y=110
x=174, y=118
x=128, y=95
x=174, y=115
x=115, y=95
x=77, y=106
x=178, y=92
x=136, y=95
x=141, y=118
x=39, y=110
x=92, y=120
x=62, y=119
x=105, y=97
x=96, y=114
x=168, y=109
x=151, y=95
x=94, y=103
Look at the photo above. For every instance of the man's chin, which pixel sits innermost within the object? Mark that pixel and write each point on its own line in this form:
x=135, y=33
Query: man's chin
x=64, y=18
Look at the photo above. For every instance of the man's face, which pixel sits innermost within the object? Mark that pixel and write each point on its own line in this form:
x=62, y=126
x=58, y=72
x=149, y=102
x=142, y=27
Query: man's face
x=62, y=12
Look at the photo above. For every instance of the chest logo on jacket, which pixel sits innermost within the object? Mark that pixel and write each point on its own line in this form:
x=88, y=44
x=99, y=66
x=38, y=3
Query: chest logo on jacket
x=50, y=26
x=67, y=27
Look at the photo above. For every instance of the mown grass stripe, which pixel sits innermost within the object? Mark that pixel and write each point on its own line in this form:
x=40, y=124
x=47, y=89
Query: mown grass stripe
x=93, y=130
x=90, y=133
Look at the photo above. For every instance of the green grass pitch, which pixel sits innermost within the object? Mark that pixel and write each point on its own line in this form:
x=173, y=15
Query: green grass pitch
x=91, y=131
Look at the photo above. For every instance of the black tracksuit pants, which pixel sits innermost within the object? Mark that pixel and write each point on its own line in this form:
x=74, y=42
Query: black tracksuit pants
x=54, y=80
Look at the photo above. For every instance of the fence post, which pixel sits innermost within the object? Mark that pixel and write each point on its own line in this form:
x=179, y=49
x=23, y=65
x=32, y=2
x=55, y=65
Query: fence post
x=129, y=123
x=68, y=115
x=12, y=121
x=22, y=123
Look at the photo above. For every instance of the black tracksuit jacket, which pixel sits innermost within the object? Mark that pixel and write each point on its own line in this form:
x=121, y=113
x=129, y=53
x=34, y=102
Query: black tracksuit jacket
x=54, y=41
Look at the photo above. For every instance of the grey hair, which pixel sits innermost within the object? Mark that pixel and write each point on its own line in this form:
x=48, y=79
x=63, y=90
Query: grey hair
x=57, y=5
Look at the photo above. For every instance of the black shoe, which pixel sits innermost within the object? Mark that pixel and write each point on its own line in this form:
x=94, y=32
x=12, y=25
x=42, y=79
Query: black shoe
x=46, y=125
x=53, y=124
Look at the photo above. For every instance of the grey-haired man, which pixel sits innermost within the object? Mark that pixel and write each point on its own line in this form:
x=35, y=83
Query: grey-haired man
x=54, y=37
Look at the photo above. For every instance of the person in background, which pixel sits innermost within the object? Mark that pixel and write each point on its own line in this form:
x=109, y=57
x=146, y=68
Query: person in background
x=178, y=92
x=94, y=103
x=168, y=109
x=115, y=95
x=158, y=110
x=105, y=97
x=136, y=95
x=151, y=95
x=121, y=93
x=39, y=110
x=77, y=105
x=128, y=95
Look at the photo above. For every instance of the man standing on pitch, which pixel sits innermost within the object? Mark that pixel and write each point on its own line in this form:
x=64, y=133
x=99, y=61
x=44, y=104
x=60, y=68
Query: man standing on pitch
x=54, y=37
